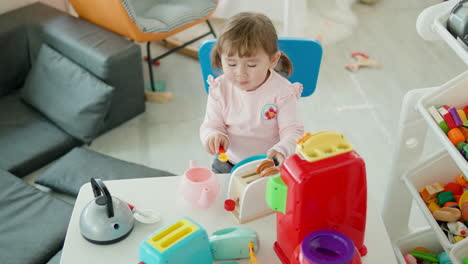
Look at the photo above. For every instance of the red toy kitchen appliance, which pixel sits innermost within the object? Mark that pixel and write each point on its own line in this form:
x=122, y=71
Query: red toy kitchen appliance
x=322, y=186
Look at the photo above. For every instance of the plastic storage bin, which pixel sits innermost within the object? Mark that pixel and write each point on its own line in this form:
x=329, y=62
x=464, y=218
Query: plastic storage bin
x=437, y=168
x=453, y=93
x=423, y=238
x=459, y=251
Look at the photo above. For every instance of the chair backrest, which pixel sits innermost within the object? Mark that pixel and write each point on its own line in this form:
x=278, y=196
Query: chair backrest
x=305, y=54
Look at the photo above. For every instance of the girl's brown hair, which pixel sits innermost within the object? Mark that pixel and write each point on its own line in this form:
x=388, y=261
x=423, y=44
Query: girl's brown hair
x=244, y=34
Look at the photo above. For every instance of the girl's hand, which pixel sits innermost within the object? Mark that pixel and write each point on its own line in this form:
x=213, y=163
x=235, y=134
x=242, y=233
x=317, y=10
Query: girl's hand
x=214, y=141
x=276, y=155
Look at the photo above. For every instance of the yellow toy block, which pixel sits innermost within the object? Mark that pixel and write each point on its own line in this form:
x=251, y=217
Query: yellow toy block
x=458, y=238
x=462, y=115
x=433, y=206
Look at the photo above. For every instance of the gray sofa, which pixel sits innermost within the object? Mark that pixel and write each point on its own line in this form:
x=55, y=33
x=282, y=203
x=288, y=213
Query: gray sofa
x=28, y=139
x=34, y=223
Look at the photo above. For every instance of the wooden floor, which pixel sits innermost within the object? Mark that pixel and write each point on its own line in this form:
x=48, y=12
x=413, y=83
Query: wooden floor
x=364, y=106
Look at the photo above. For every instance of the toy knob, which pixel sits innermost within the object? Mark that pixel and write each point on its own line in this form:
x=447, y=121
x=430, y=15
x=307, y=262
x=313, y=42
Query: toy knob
x=229, y=205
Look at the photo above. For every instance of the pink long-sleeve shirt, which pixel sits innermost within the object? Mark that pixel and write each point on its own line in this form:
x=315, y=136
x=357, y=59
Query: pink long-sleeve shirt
x=255, y=122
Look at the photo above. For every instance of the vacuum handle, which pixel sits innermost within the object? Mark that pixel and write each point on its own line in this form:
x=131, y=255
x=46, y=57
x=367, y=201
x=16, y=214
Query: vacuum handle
x=99, y=189
x=458, y=6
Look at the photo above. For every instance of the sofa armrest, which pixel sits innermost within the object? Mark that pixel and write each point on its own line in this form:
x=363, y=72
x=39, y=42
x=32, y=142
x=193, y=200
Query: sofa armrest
x=110, y=57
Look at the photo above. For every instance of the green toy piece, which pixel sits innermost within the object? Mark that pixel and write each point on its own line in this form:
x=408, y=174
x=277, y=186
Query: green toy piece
x=443, y=125
x=425, y=256
x=460, y=146
x=276, y=194
x=444, y=197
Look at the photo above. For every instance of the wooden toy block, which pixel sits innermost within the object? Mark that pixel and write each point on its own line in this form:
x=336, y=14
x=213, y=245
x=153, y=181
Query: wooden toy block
x=431, y=190
x=462, y=115
x=447, y=117
x=438, y=118
x=433, y=206
x=456, y=118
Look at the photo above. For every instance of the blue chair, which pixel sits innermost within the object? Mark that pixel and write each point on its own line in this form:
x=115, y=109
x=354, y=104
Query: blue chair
x=305, y=54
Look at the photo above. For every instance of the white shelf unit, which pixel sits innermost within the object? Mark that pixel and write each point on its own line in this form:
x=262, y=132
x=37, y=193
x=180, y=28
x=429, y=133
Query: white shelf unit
x=410, y=172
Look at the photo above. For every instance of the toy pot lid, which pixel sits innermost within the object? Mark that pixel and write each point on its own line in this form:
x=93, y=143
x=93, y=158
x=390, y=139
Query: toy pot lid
x=327, y=247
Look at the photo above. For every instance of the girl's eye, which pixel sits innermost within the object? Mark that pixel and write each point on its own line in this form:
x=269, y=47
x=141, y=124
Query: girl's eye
x=252, y=66
x=231, y=64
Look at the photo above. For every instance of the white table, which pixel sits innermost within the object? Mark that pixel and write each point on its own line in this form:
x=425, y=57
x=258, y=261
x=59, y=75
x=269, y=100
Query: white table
x=161, y=194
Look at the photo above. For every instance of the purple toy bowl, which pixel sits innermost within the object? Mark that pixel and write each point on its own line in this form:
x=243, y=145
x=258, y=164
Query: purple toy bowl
x=327, y=247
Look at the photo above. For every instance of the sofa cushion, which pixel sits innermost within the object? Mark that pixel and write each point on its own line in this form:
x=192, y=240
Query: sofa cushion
x=28, y=140
x=67, y=94
x=33, y=223
x=70, y=172
x=14, y=57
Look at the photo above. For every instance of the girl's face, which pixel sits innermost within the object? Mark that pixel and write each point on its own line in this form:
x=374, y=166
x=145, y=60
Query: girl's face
x=248, y=73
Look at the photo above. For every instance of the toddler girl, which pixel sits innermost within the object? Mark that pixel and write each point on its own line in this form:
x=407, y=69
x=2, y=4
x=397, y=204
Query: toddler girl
x=252, y=107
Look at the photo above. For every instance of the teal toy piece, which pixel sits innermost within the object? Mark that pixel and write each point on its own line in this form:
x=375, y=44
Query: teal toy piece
x=444, y=258
x=183, y=241
x=247, y=160
x=232, y=243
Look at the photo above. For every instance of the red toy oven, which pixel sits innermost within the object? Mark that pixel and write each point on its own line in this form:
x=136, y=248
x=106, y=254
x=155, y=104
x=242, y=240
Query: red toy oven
x=322, y=186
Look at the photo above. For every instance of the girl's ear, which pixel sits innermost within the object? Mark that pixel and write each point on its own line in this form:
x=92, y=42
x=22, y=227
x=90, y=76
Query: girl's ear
x=274, y=59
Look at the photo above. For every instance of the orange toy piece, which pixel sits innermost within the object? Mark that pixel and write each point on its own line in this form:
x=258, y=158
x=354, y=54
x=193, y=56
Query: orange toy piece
x=461, y=180
x=253, y=259
x=363, y=60
x=431, y=190
x=464, y=131
x=222, y=155
x=421, y=249
x=456, y=136
x=304, y=138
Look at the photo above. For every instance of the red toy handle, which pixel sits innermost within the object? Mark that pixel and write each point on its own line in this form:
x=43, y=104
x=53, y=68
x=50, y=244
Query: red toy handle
x=354, y=54
x=221, y=150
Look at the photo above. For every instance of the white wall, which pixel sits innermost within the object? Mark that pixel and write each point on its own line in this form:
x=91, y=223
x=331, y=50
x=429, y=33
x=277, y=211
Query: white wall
x=272, y=8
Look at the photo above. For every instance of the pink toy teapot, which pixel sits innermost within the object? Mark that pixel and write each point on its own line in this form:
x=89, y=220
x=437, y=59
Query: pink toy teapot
x=199, y=186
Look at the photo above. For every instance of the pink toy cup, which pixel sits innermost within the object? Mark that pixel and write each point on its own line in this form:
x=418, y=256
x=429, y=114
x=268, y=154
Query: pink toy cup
x=199, y=186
